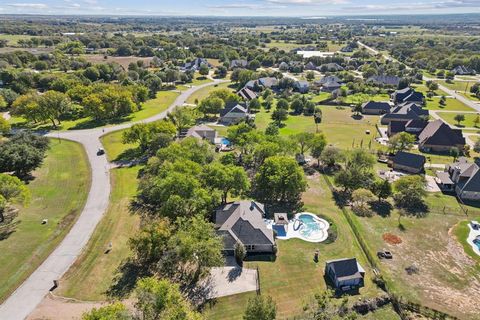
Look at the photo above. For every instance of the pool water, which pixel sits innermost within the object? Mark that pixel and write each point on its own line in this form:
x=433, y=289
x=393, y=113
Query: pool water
x=225, y=142
x=310, y=226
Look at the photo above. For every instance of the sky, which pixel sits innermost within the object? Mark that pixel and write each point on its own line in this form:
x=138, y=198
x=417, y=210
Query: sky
x=292, y=8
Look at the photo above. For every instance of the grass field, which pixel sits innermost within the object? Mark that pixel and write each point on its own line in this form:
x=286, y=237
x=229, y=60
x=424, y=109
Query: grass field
x=59, y=192
x=294, y=277
x=204, y=92
x=150, y=108
x=93, y=273
x=341, y=129
x=114, y=147
x=463, y=86
x=13, y=38
x=469, y=119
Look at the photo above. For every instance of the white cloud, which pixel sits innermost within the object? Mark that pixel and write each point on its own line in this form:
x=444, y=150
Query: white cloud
x=28, y=5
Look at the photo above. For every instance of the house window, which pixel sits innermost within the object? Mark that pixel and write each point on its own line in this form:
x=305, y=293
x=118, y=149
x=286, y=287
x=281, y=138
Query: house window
x=250, y=247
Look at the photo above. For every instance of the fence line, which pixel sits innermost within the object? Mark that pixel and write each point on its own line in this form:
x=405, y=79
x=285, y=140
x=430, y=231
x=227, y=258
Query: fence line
x=399, y=303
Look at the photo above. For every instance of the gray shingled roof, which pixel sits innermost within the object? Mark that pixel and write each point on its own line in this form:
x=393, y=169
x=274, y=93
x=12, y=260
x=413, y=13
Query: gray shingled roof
x=243, y=221
x=374, y=105
x=345, y=268
x=408, y=159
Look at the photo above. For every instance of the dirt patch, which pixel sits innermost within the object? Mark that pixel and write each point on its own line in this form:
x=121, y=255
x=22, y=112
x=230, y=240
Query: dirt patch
x=123, y=61
x=391, y=238
x=59, y=308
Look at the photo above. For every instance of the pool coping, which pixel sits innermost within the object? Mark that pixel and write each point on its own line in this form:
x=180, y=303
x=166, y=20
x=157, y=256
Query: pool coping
x=471, y=236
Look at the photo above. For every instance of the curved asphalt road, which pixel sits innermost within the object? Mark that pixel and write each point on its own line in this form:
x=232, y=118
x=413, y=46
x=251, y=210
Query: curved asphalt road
x=25, y=299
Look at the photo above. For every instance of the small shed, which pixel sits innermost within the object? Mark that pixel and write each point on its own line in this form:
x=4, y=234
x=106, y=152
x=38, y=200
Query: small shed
x=345, y=274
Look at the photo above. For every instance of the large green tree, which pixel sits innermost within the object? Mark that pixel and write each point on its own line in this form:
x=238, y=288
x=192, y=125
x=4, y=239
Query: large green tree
x=260, y=308
x=280, y=180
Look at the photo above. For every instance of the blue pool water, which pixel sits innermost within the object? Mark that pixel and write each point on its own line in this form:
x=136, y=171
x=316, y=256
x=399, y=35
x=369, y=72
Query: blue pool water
x=477, y=242
x=310, y=226
x=225, y=141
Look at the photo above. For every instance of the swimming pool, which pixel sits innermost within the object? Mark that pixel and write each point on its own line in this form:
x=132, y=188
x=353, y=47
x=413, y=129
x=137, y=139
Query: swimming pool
x=306, y=226
x=225, y=142
x=312, y=227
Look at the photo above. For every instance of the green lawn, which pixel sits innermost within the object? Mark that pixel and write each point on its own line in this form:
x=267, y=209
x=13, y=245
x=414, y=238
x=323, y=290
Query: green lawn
x=463, y=86
x=204, y=92
x=451, y=104
x=13, y=38
x=114, y=147
x=341, y=129
x=59, y=192
x=469, y=119
x=150, y=108
x=362, y=97
x=93, y=273
x=294, y=277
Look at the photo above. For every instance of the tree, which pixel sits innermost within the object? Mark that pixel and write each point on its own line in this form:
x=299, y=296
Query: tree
x=432, y=86
x=443, y=101
x=454, y=153
x=12, y=190
x=317, y=117
x=322, y=307
x=212, y=106
x=154, y=299
x=22, y=154
x=114, y=311
x=310, y=76
x=303, y=141
x=279, y=115
x=4, y=126
x=221, y=72
x=360, y=198
x=204, y=70
x=254, y=105
x=182, y=118
x=282, y=104
x=260, y=308
x=279, y=179
x=357, y=109
x=268, y=103
x=317, y=145
x=382, y=189
x=401, y=141
x=240, y=252
x=476, y=121
x=226, y=179
x=145, y=134
x=459, y=118
x=357, y=172
x=52, y=105
x=297, y=106
x=331, y=155
x=197, y=247
x=410, y=192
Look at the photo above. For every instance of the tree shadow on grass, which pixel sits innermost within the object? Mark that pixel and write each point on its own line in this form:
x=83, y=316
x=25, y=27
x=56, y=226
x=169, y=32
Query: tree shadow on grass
x=92, y=123
x=8, y=225
x=382, y=208
x=128, y=273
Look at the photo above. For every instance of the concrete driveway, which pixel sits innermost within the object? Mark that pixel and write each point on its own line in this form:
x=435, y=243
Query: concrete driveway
x=432, y=185
x=31, y=292
x=227, y=281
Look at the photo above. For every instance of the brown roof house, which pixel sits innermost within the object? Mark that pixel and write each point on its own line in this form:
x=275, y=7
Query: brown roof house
x=345, y=274
x=203, y=132
x=242, y=222
x=247, y=94
x=439, y=137
x=463, y=177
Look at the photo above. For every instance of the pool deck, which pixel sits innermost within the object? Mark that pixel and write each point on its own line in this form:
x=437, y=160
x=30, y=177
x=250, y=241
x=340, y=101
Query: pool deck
x=293, y=230
x=473, y=234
